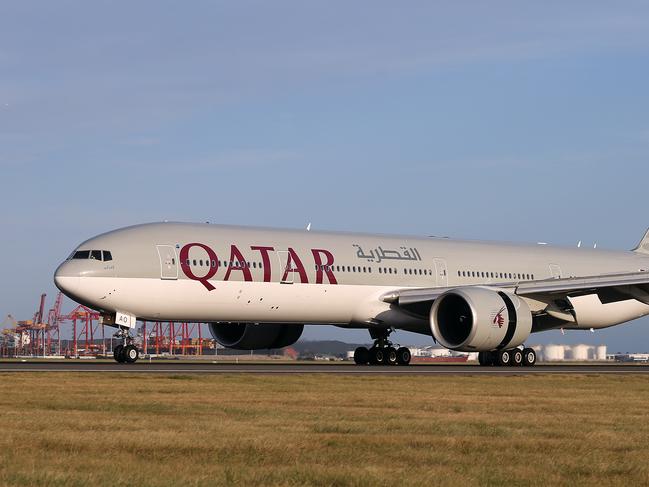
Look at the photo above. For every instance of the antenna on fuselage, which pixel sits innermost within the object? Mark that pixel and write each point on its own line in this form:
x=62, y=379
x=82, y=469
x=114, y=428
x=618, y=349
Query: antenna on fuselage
x=308, y=227
x=579, y=244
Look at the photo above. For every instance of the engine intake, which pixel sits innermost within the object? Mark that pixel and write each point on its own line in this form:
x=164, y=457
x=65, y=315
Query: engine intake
x=475, y=319
x=255, y=336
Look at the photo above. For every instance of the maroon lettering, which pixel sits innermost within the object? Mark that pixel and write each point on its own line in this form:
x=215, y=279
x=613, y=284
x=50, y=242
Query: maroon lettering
x=265, y=258
x=237, y=258
x=184, y=265
x=294, y=264
x=327, y=266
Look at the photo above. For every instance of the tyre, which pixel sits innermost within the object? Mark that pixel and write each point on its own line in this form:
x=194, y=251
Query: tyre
x=131, y=354
x=504, y=358
x=403, y=356
x=529, y=357
x=117, y=353
x=482, y=359
x=377, y=356
x=517, y=357
x=361, y=356
x=391, y=356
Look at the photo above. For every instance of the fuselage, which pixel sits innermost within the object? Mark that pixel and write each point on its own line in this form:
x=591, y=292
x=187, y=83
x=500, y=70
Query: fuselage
x=220, y=273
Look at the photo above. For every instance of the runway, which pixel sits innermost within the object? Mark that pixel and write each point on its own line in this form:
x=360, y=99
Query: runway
x=187, y=367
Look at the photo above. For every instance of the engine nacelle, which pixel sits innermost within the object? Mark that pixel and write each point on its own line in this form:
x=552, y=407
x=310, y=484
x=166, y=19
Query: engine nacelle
x=479, y=319
x=255, y=336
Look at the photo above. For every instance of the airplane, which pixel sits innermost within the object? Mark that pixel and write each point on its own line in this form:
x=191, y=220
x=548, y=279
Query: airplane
x=258, y=287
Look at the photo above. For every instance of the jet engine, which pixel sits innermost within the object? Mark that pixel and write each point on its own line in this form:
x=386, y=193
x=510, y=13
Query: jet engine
x=256, y=336
x=480, y=319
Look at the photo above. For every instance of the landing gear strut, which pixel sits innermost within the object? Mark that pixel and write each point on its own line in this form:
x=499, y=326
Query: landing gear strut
x=126, y=352
x=382, y=352
x=515, y=357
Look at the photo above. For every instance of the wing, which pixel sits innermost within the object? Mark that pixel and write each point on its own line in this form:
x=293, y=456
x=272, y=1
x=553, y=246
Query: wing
x=610, y=288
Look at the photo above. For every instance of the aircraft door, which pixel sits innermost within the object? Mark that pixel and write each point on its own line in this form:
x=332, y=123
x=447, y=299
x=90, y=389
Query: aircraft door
x=168, y=261
x=555, y=271
x=441, y=272
x=286, y=266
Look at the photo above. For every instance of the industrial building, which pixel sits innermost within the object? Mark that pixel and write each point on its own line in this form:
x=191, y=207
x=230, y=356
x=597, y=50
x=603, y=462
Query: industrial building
x=576, y=353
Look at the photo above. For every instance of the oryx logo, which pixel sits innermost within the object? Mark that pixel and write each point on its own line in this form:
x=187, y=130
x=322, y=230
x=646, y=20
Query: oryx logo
x=499, y=319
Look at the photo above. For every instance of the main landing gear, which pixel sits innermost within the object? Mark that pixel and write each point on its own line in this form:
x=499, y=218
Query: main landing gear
x=515, y=357
x=126, y=352
x=382, y=352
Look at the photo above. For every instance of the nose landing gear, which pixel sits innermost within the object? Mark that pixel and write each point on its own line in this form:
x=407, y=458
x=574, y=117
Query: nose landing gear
x=126, y=352
x=382, y=352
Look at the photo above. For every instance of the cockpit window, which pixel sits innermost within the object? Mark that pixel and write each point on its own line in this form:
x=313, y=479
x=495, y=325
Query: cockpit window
x=104, y=255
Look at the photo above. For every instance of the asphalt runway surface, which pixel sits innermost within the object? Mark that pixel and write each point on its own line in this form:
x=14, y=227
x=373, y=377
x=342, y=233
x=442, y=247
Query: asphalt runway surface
x=188, y=367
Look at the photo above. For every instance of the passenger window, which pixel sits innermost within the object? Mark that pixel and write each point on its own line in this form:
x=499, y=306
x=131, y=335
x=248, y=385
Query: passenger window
x=107, y=256
x=369, y=269
x=194, y=261
x=380, y=270
x=213, y=263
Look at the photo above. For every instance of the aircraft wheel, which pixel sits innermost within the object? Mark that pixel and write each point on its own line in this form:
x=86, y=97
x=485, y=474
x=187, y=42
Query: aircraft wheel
x=361, y=356
x=529, y=357
x=482, y=358
x=403, y=356
x=118, y=355
x=490, y=358
x=517, y=357
x=504, y=357
x=377, y=356
x=391, y=356
x=131, y=354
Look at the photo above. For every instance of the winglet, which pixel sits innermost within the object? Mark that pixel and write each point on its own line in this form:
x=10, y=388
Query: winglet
x=643, y=246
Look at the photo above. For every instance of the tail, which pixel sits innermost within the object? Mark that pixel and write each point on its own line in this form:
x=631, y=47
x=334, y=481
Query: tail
x=643, y=246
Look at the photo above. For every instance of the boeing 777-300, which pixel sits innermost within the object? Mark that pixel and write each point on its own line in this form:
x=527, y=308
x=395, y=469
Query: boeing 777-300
x=258, y=287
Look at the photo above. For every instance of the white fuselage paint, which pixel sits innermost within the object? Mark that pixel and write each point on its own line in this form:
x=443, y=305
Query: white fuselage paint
x=139, y=281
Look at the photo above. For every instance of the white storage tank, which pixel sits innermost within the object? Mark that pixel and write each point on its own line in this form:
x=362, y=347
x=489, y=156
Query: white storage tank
x=601, y=352
x=553, y=353
x=580, y=352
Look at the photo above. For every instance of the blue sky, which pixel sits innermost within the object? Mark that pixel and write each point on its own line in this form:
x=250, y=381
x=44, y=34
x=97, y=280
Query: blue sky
x=524, y=121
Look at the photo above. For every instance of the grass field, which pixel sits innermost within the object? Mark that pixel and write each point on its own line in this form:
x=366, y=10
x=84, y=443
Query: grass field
x=113, y=430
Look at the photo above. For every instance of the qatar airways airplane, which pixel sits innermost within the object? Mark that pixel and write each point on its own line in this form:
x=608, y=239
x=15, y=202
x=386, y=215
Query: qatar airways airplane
x=259, y=287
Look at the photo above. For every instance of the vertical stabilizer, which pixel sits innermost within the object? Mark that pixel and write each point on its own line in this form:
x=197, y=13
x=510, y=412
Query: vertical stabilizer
x=643, y=246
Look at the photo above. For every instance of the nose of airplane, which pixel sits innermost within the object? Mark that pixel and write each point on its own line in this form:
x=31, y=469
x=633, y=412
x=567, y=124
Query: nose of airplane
x=66, y=279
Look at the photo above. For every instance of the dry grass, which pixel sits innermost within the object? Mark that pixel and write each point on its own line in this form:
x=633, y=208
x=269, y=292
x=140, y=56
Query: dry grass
x=113, y=430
